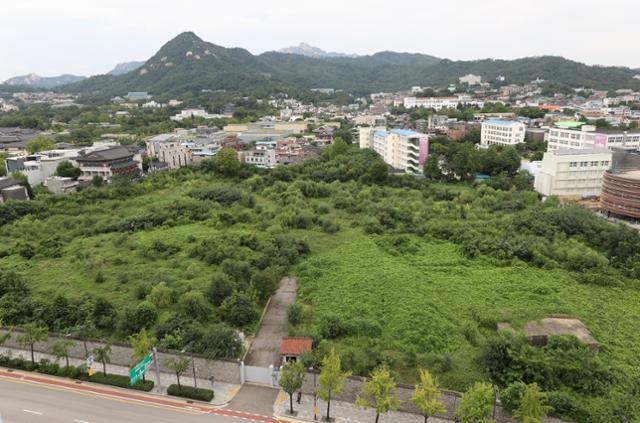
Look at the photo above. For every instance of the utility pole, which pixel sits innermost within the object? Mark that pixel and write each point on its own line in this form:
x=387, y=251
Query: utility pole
x=193, y=367
x=155, y=359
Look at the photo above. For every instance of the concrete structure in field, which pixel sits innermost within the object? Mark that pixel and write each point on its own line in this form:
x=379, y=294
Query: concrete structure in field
x=502, y=132
x=399, y=148
x=577, y=135
x=60, y=185
x=291, y=347
x=538, y=332
x=575, y=173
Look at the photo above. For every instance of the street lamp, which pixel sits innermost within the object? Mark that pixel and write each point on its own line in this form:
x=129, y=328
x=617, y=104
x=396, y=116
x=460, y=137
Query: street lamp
x=193, y=365
x=315, y=408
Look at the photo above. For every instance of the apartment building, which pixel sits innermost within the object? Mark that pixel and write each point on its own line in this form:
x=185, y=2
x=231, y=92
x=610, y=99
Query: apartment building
x=439, y=103
x=502, y=132
x=576, y=135
x=400, y=148
x=170, y=149
x=574, y=173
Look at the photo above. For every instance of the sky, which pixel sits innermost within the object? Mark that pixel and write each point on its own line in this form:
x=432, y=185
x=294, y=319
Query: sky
x=88, y=37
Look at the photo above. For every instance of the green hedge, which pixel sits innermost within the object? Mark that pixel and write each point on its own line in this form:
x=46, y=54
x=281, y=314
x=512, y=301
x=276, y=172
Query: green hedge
x=117, y=380
x=49, y=368
x=190, y=392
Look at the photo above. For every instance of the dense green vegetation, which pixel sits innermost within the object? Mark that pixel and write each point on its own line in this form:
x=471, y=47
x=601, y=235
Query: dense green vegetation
x=394, y=271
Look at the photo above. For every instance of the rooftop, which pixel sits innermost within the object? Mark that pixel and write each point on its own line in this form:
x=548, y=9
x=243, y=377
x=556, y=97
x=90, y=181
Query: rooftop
x=556, y=326
x=573, y=152
x=569, y=124
x=295, y=345
x=404, y=132
x=502, y=122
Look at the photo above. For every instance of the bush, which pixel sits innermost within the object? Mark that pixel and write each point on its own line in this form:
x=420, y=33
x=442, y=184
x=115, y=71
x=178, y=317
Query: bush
x=294, y=314
x=117, y=380
x=510, y=396
x=199, y=394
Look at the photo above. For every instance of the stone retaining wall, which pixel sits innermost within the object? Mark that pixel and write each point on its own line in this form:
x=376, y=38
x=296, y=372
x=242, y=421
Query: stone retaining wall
x=227, y=371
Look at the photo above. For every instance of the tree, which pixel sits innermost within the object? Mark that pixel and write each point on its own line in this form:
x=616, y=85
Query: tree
x=379, y=393
x=331, y=378
x=32, y=333
x=533, y=405
x=426, y=396
x=221, y=287
x=161, y=295
x=337, y=148
x=60, y=349
x=67, y=170
x=291, y=379
x=103, y=355
x=178, y=366
x=195, y=305
x=40, y=143
x=226, y=162
x=97, y=181
x=476, y=404
x=238, y=309
x=141, y=344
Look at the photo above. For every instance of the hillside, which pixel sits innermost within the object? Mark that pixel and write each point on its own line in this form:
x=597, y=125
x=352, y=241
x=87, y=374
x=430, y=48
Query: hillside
x=189, y=64
x=305, y=49
x=396, y=271
x=126, y=67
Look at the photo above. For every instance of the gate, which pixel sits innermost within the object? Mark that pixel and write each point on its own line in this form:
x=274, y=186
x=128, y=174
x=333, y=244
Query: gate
x=259, y=375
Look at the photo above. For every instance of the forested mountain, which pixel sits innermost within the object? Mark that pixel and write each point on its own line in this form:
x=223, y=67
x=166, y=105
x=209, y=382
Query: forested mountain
x=305, y=49
x=37, y=81
x=126, y=67
x=189, y=64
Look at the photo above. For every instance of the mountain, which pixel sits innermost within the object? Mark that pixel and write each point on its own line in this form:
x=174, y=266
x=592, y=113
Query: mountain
x=304, y=49
x=126, y=67
x=187, y=64
x=37, y=81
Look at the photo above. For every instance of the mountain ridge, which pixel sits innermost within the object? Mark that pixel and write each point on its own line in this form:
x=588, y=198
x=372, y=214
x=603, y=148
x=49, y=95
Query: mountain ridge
x=187, y=63
x=304, y=49
x=37, y=81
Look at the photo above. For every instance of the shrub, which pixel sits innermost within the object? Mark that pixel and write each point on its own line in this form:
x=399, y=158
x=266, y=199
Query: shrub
x=510, y=396
x=117, y=380
x=199, y=394
x=294, y=314
x=99, y=277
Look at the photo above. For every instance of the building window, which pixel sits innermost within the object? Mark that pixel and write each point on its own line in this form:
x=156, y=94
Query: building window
x=584, y=164
x=605, y=163
x=573, y=164
x=594, y=163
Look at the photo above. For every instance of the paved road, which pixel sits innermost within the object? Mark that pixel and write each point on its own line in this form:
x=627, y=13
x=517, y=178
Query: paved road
x=255, y=399
x=265, y=349
x=35, y=399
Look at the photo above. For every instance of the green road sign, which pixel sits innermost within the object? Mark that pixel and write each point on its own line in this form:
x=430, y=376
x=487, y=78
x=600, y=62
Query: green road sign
x=136, y=373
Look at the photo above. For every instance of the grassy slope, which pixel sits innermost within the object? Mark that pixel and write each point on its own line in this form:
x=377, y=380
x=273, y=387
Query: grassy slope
x=424, y=300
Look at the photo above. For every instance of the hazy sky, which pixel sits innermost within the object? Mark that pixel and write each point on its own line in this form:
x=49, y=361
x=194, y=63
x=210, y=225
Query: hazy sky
x=89, y=36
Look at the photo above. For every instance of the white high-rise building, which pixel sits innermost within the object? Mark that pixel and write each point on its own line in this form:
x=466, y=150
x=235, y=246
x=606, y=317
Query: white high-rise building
x=502, y=132
x=564, y=136
x=575, y=173
x=399, y=148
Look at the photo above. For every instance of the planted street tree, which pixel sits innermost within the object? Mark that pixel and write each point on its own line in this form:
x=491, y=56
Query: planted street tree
x=427, y=397
x=331, y=379
x=476, y=404
x=226, y=162
x=533, y=405
x=291, y=379
x=178, y=366
x=141, y=344
x=32, y=333
x=379, y=393
x=103, y=355
x=60, y=349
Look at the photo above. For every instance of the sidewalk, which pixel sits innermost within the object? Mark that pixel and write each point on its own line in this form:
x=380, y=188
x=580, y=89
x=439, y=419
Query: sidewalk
x=342, y=412
x=224, y=392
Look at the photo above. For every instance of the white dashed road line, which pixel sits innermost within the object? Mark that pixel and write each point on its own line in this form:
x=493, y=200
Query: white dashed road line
x=33, y=412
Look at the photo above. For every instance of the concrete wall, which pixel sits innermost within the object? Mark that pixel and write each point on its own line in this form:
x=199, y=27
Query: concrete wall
x=227, y=371
x=353, y=387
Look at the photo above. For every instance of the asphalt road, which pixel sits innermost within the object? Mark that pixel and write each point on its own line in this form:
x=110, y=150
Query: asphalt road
x=25, y=402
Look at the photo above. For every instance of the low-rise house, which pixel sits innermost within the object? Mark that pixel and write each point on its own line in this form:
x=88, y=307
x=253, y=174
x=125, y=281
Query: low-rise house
x=12, y=189
x=292, y=347
x=61, y=185
x=107, y=163
x=263, y=158
x=39, y=166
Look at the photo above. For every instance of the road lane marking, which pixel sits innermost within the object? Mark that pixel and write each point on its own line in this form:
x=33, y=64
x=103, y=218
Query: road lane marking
x=33, y=412
x=80, y=421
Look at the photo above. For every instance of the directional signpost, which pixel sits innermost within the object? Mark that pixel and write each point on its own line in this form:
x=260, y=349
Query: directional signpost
x=136, y=373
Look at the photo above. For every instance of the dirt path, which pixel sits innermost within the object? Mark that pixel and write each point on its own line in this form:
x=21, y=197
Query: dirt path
x=265, y=349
